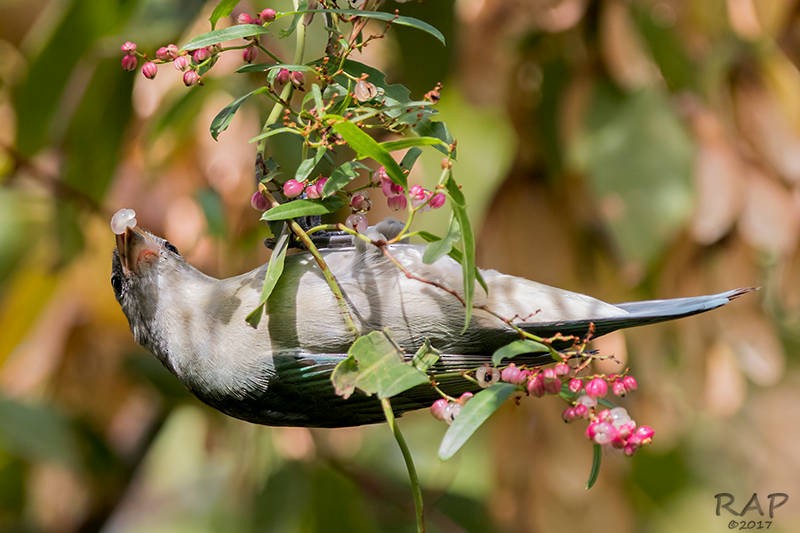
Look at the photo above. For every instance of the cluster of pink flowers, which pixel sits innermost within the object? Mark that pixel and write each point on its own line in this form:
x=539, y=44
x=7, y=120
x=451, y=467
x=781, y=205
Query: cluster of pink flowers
x=395, y=194
x=612, y=427
x=293, y=188
x=266, y=15
x=183, y=61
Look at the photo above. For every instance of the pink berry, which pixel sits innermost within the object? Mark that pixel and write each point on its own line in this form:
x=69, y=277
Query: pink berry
x=245, y=18
x=575, y=385
x=129, y=47
x=190, y=77
x=437, y=200
x=249, y=54
x=149, y=70
x=200, y=55
x=630, y=383
x=267, y=15
x=258, y=202
x=597, y=388
x=397, y=203
x=283, y=76
x=293, y=188
x=162, y=54
x=180, y=63
x=439, y=409
x=129, y=62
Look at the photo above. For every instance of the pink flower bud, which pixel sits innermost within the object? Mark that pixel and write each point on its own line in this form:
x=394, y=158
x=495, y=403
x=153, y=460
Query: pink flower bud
x=180, y=63
x=320, y=185
x=149, y=70
x=397, y=203
x=588, y=401
x=249, y=54
x=283, y=76
x=630, y=383
x=245, y=18
x=597, y=388
x=562, y=369
x=601, y=432
x=630, y=449
x=267, y=15
x=536, y=385
x=356, y=222
x=129, y=62
x=575, y=385
x=293, y=188
x=581, y=411
x=297, y=78
x=569, y=414
x=173, y=51
x=644, y=434
x=200, y=55
x=360, y=203
x=379, y=175
x=618, y=388
x=162, y=54
x=451, y=412
x=465, y=397
x=513, y=374
x=437, y=200
x=258, y=202
x=439, y=409
x=313, y=192
x=417, y=192
x=129, y=47
x=190, y=77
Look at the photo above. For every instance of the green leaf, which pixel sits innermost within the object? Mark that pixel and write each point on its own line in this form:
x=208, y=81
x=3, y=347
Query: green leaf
x=410, y=158
x=273, y=274
x=472, y=415
x=274, y=131
x=437, y=130
x=459, y=206
x=306, y=166
x=344, y=377
x=516, y=348
x=382, y=369
x=214, y=211
x=224, y=117
x=437, y=249
x=238, y=31
x=366, y=146
x=384, y=17
x=303, y=208
x=223, y=9
x=408, y=142
x=426, y=356
x=594, y=473
x=269, y=67
x=341, y=176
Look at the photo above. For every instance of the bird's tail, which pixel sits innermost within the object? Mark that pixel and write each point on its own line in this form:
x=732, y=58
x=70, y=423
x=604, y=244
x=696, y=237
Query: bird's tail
x=639, y=314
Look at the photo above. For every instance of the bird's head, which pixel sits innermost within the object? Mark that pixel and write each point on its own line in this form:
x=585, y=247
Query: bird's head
x=142, y=268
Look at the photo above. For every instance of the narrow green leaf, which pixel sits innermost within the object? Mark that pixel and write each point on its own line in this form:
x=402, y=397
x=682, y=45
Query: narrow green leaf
x=384, y=17
x=459, y=206
x=223, y=9
x=437, y=130
x=472, y=415
x=594, y=473
x=303, y=208
x=317, y=93
x=437, y=249
x=239, y=31
x=344, y=377
x=268, y=67
x=381, y=366
x=410, y=158
x=306, y=166
x=273, y=131
x=224, y=117
x=408, y=142
x=516, y=348
x=274, y=271
x=426, y=356
x=366, y=146
x=340, y=177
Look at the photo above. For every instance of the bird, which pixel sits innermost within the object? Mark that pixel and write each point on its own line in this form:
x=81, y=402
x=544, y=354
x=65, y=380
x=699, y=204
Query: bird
x=278, y=372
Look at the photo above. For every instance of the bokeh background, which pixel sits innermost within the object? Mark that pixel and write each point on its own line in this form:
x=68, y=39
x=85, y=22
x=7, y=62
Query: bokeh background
x=628, y=149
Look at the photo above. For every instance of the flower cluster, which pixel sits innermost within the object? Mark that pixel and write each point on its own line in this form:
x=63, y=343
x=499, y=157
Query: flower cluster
x=396, y=196
x=612, y=427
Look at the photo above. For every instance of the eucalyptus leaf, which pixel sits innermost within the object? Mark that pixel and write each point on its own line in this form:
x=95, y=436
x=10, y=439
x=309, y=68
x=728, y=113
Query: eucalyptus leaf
x=273, y=274
x=516, y=348
x=303, y=208
x=223, y=119
x=474, y=413
x=459, y=206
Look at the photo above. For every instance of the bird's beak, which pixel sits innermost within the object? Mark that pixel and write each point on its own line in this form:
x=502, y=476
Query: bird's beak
x=136, y=247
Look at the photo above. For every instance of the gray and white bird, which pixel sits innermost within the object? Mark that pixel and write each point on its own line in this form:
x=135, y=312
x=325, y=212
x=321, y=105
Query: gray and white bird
x=279, y=372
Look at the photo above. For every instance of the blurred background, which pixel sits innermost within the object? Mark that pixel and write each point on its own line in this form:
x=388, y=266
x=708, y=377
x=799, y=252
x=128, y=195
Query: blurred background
x=627, y=149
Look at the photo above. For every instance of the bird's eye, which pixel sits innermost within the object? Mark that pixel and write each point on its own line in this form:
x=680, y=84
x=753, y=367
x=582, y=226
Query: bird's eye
x=116, y=283
x=171, y=247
